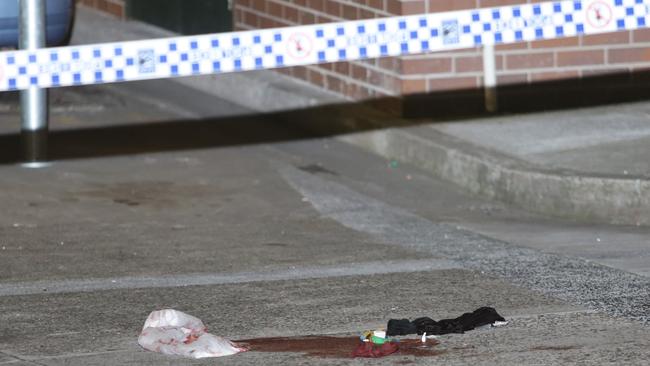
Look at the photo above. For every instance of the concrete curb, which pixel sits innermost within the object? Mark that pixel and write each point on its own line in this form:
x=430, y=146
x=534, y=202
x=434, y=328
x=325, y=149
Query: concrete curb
x=573, y=195
x=262, y=91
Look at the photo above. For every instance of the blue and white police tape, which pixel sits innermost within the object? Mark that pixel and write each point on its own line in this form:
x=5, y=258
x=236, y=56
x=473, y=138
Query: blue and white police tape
x=312, y=44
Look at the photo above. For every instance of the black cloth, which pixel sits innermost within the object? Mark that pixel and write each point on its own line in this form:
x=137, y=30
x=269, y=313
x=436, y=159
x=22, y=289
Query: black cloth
x=463, y=323
x=401, y=327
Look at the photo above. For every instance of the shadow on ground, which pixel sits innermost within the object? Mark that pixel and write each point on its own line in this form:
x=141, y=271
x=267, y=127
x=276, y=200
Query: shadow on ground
x=332, y=119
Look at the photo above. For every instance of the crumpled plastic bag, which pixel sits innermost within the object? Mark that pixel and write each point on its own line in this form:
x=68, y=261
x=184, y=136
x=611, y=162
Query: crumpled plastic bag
x=173, y=332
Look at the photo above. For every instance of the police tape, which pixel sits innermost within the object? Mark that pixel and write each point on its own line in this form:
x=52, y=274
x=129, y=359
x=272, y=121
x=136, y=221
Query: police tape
x=312, y=44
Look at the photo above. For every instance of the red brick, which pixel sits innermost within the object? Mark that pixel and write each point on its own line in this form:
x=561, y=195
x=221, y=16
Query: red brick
x=344, y=88
x=641, y=35
x=453, y=83
x=624, y=55
x=413, y=86
x=556, y=43
x=394, y=6
x=413, y=7
x=490, y=3
x=357, y=91
x=251, y=19
x=446, y=5
x=580, y=57
x=562, y=52
x=102, y=5
x=316, y=5
x=358, y=72
x=333, y=83
x=555, y=75
x=512, y=46
x=606, y=38
x=349, y=12
x=327, y=66
x=115, y=9
x=373, y=61
x=389, y=63
x=468, y=64
x=291, y=14
x=476, y=50
x=342, y=68
x=316, y=78
x=324, y=19
x=300, y=72
x=307, y=18
x=366, y=14
x=268, y=23
x=375, y=4
x=527, y=61
x=364, y=93
x=426, y=66
x=512, y=79
x=382, y=80
x=351, y=90
x=274, y=9
x=333, y=8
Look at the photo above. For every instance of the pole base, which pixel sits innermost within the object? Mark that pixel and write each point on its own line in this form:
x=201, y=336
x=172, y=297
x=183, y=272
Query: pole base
x=491, y=101
x=34, y=147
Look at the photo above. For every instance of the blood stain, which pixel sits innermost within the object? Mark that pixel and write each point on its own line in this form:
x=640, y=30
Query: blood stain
x=333, y=347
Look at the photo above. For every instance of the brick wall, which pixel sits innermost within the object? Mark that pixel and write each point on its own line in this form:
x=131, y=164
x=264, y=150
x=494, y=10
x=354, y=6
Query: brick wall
x=530, y=62
x=114, y=7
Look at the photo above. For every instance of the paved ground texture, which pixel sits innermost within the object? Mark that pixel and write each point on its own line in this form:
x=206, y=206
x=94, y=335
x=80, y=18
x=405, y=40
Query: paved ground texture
x=161, y=196
x=263, y=231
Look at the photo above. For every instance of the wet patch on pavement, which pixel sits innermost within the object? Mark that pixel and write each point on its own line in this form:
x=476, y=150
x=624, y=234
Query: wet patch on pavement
x=153, y=193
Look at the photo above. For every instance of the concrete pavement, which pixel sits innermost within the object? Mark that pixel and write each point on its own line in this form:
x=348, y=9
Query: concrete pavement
x=287, y=250
x=175, y=198
x=290, y=238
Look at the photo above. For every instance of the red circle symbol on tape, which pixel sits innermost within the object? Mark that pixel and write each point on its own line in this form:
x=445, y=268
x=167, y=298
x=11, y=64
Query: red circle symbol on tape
x=299, y=46
x=599, y=14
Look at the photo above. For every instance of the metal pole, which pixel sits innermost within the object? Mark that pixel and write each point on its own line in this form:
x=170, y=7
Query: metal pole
x=33, y=101
x=490, y=78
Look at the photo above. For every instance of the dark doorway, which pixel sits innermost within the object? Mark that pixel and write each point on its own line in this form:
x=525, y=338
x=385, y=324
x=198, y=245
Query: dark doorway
x=184, y=16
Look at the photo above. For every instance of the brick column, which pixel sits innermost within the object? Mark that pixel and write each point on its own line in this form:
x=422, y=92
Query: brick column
x=576, y=57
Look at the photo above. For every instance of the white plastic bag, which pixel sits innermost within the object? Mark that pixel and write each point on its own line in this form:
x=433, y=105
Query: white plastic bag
x=173, y=332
